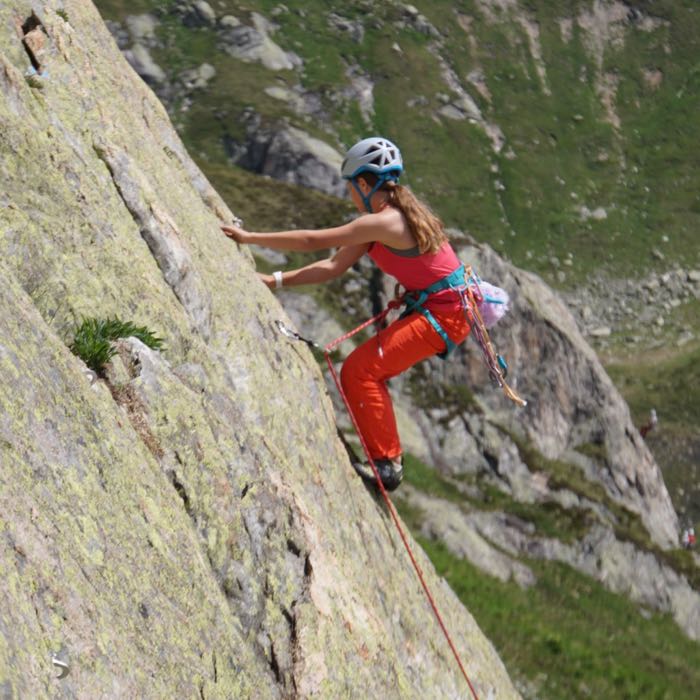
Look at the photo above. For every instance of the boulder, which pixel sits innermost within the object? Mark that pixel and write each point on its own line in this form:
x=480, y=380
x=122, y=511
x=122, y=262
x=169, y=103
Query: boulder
x=253, y=44
x=290, y=155
x=141, y=27
x=203, y=13
x=354, y=29
x=142, y=62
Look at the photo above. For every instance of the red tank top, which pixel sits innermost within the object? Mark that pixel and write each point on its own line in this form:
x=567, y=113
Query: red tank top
x=416, y=271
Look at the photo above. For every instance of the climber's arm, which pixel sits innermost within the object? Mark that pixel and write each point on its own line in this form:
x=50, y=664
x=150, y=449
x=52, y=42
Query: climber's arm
x=364, y=229
x=321, y=270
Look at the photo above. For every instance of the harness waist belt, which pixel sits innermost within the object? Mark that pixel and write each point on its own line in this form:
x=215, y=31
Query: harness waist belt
x=414, y=302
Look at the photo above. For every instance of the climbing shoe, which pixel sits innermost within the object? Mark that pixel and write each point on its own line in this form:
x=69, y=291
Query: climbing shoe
x=390, y=472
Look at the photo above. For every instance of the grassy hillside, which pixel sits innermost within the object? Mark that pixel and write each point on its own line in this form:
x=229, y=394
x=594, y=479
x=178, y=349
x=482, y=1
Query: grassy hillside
x=667, y=379
x=566, y=636
x=566, y=147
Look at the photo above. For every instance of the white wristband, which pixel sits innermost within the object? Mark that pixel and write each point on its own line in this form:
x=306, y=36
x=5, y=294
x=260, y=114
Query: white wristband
x=278, y=278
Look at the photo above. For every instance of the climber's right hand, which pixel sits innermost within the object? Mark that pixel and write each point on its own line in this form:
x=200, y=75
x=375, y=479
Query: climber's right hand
x=236, y=233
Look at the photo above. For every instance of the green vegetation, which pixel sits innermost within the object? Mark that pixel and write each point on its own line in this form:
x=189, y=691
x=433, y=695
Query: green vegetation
x=567, y=150
x=267, y=205
x=429, y=481
x=663, y=382
x=458, y=399
x=565, y=147
x=549, y=519
x=567, y=637
x=93, y=340
x=34, y=82
x=628, y=526
x=664, y=379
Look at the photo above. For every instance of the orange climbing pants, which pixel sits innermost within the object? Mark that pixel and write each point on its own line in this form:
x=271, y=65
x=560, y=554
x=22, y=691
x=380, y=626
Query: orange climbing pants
x=392, y=351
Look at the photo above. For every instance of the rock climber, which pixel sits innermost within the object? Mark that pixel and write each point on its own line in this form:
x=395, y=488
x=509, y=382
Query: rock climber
x=407, y=241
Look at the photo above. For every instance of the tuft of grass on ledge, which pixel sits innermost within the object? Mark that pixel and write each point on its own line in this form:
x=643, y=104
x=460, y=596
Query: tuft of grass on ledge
x=93, y=340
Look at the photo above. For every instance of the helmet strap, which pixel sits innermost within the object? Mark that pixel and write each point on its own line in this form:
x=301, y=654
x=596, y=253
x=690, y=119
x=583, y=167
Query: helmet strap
x=367, y=198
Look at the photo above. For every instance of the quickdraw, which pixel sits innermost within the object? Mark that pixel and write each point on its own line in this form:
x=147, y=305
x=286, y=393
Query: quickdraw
x=498, y=369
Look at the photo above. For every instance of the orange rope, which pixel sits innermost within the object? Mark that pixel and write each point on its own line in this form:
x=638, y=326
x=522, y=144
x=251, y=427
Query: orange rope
x=327, y=350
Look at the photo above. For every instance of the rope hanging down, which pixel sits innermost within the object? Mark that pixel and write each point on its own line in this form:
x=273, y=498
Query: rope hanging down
x=495, y=363
x=394, y=516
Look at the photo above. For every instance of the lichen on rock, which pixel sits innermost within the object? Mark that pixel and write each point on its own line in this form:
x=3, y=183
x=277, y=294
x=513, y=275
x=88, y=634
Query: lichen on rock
x=189, y=526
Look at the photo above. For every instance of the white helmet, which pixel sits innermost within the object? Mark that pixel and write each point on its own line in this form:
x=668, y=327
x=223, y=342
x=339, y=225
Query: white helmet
x=372, y=155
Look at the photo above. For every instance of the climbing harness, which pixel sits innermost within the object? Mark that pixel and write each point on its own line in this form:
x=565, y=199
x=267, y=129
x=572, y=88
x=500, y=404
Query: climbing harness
x=467, y=284
x=414, y=302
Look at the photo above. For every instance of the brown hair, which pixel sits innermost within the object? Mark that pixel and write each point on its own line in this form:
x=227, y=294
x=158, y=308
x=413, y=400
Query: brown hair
x=426, y=227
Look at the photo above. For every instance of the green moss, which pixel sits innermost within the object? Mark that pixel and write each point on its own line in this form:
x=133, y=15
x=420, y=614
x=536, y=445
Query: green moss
x=596, y=451
x=34, y=82
x=429, y=481
x=549, y=518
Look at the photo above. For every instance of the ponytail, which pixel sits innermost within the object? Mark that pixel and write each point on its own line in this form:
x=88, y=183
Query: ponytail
x=426, y=227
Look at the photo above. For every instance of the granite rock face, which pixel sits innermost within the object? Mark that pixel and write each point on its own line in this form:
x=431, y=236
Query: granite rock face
x=188, y=524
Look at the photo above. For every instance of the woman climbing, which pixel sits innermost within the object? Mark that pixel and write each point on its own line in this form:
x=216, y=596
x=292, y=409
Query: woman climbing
x=407, y=241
